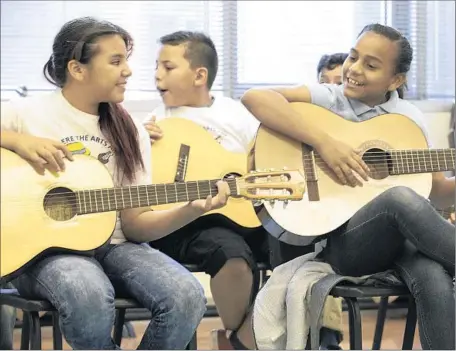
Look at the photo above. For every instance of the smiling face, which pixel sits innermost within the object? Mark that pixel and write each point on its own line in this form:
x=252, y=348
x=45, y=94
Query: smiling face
x=369, y=72
x=108, y=70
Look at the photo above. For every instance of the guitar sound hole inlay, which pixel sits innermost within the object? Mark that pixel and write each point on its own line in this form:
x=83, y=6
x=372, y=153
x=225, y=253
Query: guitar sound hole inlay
x=379, y=163
x=60, y=204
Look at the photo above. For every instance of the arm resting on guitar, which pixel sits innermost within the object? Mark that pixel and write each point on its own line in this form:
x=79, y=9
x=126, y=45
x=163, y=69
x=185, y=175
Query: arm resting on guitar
x=272, y=108
x=144, y=225
x=8, y=139
x=443, y=190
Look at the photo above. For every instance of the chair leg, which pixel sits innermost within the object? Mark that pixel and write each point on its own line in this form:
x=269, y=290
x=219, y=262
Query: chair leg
x=192, y=345
x=35, y=335
x=25, y=333
x=410, y=326
x=56, y=333
x=354, y=321
x=118, y=326
x=379, y=326
x=129, y=330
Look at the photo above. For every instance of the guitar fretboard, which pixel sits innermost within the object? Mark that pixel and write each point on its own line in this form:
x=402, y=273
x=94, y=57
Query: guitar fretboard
x=422, y=161
x=120, y=198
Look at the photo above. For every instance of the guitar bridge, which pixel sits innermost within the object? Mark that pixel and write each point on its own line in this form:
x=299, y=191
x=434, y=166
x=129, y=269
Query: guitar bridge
x=310, y=172
x=182, y=162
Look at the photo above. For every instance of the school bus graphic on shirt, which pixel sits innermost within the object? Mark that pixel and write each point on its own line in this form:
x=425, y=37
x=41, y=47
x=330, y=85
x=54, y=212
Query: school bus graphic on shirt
x=78, y=148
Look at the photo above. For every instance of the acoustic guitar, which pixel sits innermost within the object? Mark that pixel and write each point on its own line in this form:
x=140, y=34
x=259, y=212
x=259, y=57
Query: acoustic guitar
x=188, y=152
x=393, y=146
x=77, y=210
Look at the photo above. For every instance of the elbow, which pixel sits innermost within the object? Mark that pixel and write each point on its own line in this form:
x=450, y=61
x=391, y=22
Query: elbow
x=132, y=235
x=251, y=97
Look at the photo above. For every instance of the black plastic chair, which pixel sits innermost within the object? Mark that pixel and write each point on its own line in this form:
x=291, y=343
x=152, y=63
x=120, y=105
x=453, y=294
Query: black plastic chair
x=352, y=293
x=31, y=327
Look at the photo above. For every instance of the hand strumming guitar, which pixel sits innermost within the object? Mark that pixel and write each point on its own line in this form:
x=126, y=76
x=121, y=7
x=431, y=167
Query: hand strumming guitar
x=41, y=153
x=155, y=132
x=343, y=160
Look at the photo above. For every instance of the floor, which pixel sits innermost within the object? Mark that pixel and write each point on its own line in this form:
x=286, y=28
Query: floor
x=392, y=337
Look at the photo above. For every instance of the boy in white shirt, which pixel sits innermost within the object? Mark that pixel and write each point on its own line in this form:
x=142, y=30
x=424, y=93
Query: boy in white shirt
x=185, y=72
x=186, y=69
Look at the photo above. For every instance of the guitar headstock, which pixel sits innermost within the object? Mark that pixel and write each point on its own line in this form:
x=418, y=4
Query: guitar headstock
x=272, y=185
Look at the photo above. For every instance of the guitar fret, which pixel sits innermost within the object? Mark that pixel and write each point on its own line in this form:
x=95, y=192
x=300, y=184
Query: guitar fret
x=156, y=195
x=182, y=192
x=109, y=201
x=85, y=202
x=175, y=188
x=78, y=203
x=138, y=203
x=407, y=162
x=102, y=202
x=115, y=200
x=96, y=202
x=438, y=161
x=160, y=193
x=421, y=161
x=90, y=200
x=129, y=194
x=147, y=195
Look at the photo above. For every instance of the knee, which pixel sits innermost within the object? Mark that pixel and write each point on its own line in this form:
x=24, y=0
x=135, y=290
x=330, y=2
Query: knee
x=237, y=268
x=87, y=312
x=402, y=198
x=185, y=303
x=400, y=194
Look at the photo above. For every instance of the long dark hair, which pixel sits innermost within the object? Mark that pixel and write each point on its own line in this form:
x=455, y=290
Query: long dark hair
x=75, y=41
x=405, y=50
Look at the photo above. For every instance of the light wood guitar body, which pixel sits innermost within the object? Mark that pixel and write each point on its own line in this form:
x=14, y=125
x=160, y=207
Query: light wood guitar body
x=392, y=145
x=76, y=211
x=189, y=152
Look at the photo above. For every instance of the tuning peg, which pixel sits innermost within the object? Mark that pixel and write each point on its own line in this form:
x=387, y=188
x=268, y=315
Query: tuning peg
x=285, y=203
x=272, y=202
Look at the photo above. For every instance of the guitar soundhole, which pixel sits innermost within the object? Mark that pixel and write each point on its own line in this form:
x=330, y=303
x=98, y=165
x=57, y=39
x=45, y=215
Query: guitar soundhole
x=60, y=204
x=379, y=162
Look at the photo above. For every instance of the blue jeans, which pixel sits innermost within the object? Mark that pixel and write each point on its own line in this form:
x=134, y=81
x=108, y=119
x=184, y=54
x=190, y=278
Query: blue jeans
x=83, y=289
x=7, y=322
x=432, y=288
x=374, y=239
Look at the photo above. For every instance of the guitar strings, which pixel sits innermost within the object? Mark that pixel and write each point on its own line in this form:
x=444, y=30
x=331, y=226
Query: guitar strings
x=308, y=173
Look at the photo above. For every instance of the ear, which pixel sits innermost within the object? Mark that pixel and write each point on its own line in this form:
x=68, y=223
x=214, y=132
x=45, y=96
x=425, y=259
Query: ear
x=77, y=70
x=398, y=80
x=200, y=77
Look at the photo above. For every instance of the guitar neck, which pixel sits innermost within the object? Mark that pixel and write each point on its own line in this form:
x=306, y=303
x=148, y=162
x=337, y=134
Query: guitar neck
x=120, y=198
x=422, y=161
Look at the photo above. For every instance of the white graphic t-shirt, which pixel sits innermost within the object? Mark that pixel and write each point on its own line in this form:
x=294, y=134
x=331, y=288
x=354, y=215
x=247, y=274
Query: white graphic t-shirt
x=52, y=116
x=229, y=122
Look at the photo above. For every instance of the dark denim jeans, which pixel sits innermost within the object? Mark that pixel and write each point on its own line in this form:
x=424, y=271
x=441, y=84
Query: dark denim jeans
x=7, y=322
x=82, y=289
x=400, y=229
